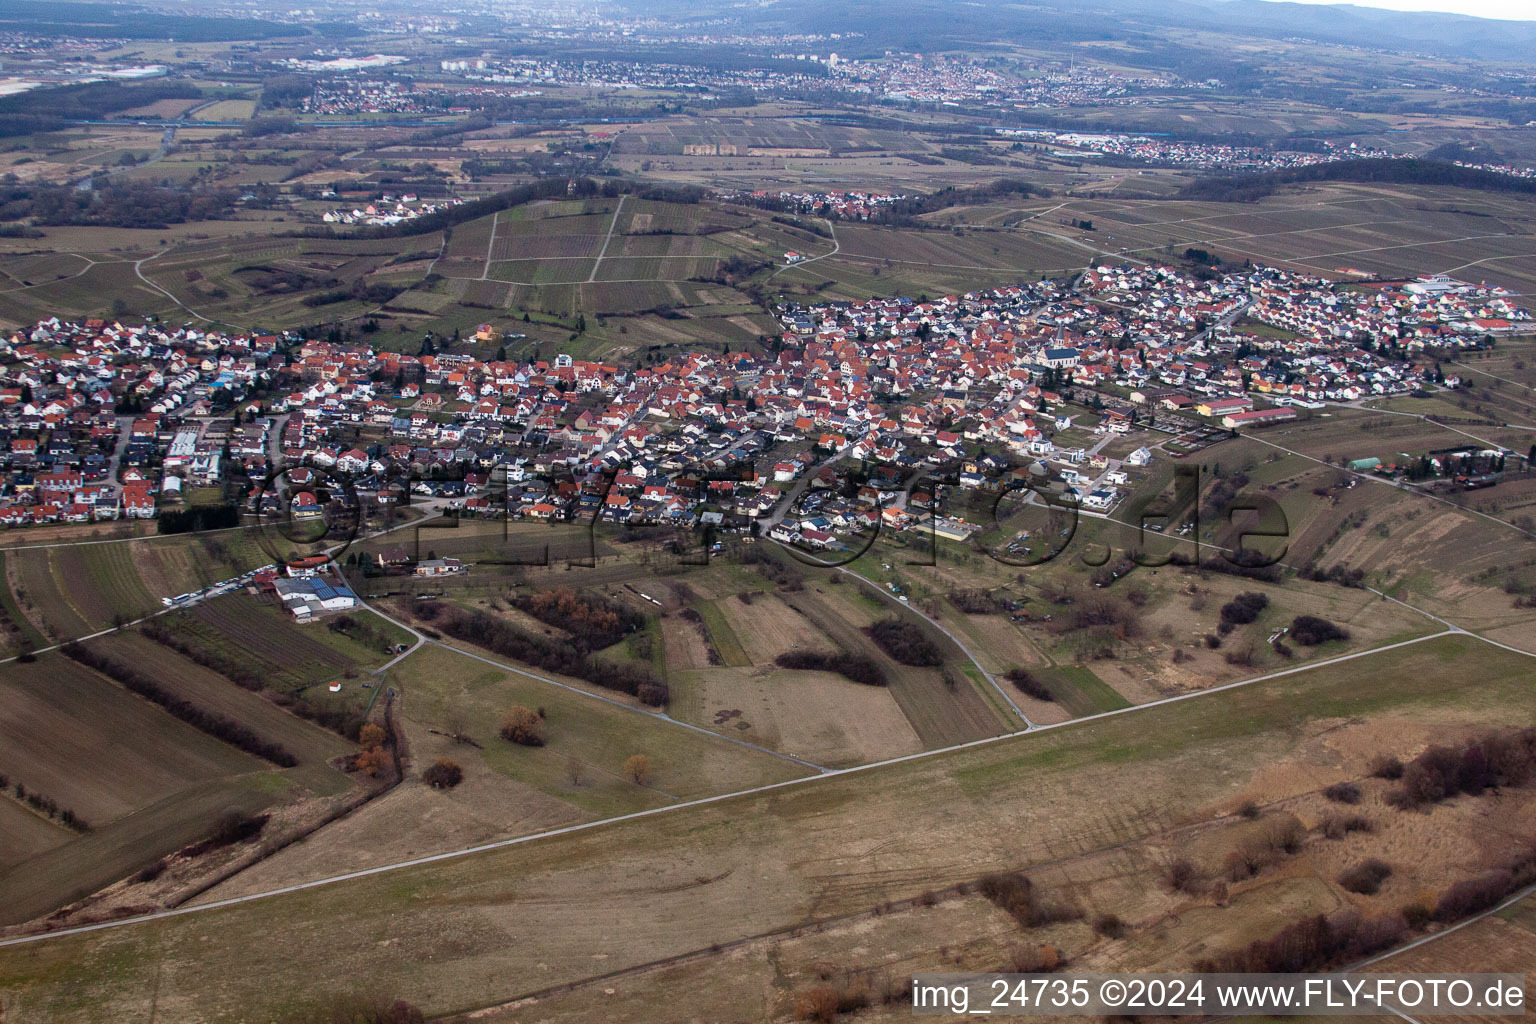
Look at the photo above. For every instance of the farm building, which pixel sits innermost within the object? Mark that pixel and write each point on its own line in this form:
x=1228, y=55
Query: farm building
x=438, y=566
x=1224, y=406
x=309, y=596
x=1258, y=417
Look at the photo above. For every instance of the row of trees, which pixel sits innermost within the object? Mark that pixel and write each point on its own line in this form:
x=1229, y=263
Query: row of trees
x=1029, y=684
x=200, y=519
x=850, y=666
x=343, y=721
x=44, y=804
x=1252, y=187
x=502, y=637
x=1325, y=941
x=592, y=622
x=236, y=734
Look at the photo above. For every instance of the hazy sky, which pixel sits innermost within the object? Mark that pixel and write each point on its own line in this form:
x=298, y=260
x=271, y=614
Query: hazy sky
x=1514, y=10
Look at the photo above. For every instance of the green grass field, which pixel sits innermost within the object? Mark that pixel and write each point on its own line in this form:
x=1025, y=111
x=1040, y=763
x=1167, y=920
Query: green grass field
x=1080, y=691
x=722, y=635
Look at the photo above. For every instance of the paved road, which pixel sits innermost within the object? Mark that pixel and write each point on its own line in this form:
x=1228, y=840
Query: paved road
x=793, y=495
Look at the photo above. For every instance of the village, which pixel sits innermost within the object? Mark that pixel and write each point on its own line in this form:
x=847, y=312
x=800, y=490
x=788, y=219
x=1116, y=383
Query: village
x=1085, y=381
x=387, y=210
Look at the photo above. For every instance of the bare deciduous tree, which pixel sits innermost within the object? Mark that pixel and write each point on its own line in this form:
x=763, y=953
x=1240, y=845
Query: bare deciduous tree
x=638, y=769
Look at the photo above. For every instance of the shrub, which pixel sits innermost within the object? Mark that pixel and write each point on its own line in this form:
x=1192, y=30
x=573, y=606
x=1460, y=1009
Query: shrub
x=905, y=642
x=1242, y=656
x=1286, y=835
x=1109, y=925
x=1343, y=793
x=1247, y=860
x=1337, y=826
x=818, y=1004
x=1309, y=631
x=444, y=774
x=975, y=602
x=1028, y=684
x=1181, y=875
x=850, y=666
x=1013, y=893
x=1384, y=766
x=1034, y=959
x=1243, y=609
x=592, y=622
x=1366, y=877
x=522, y=726
x=638, y=768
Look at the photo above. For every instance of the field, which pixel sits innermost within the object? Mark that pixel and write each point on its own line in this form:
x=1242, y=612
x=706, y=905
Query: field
x=144, y=781
x=817, y=716
x=205, y=688
x=942, y=715
x=228, y=110
x=1393, y=231
x=757, y=863
x=67, y=591
x=751, y=628
x=296, y=656
x=747, y=638
x=26, y=834
x=649, y=273
x=587, y=741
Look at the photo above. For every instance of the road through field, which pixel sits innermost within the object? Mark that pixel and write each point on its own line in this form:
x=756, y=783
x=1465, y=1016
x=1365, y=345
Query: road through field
x=837, y=247
x=703, y=801
x=936, y=624
x=138, y=270
x=490, y=247
x=607, y=239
